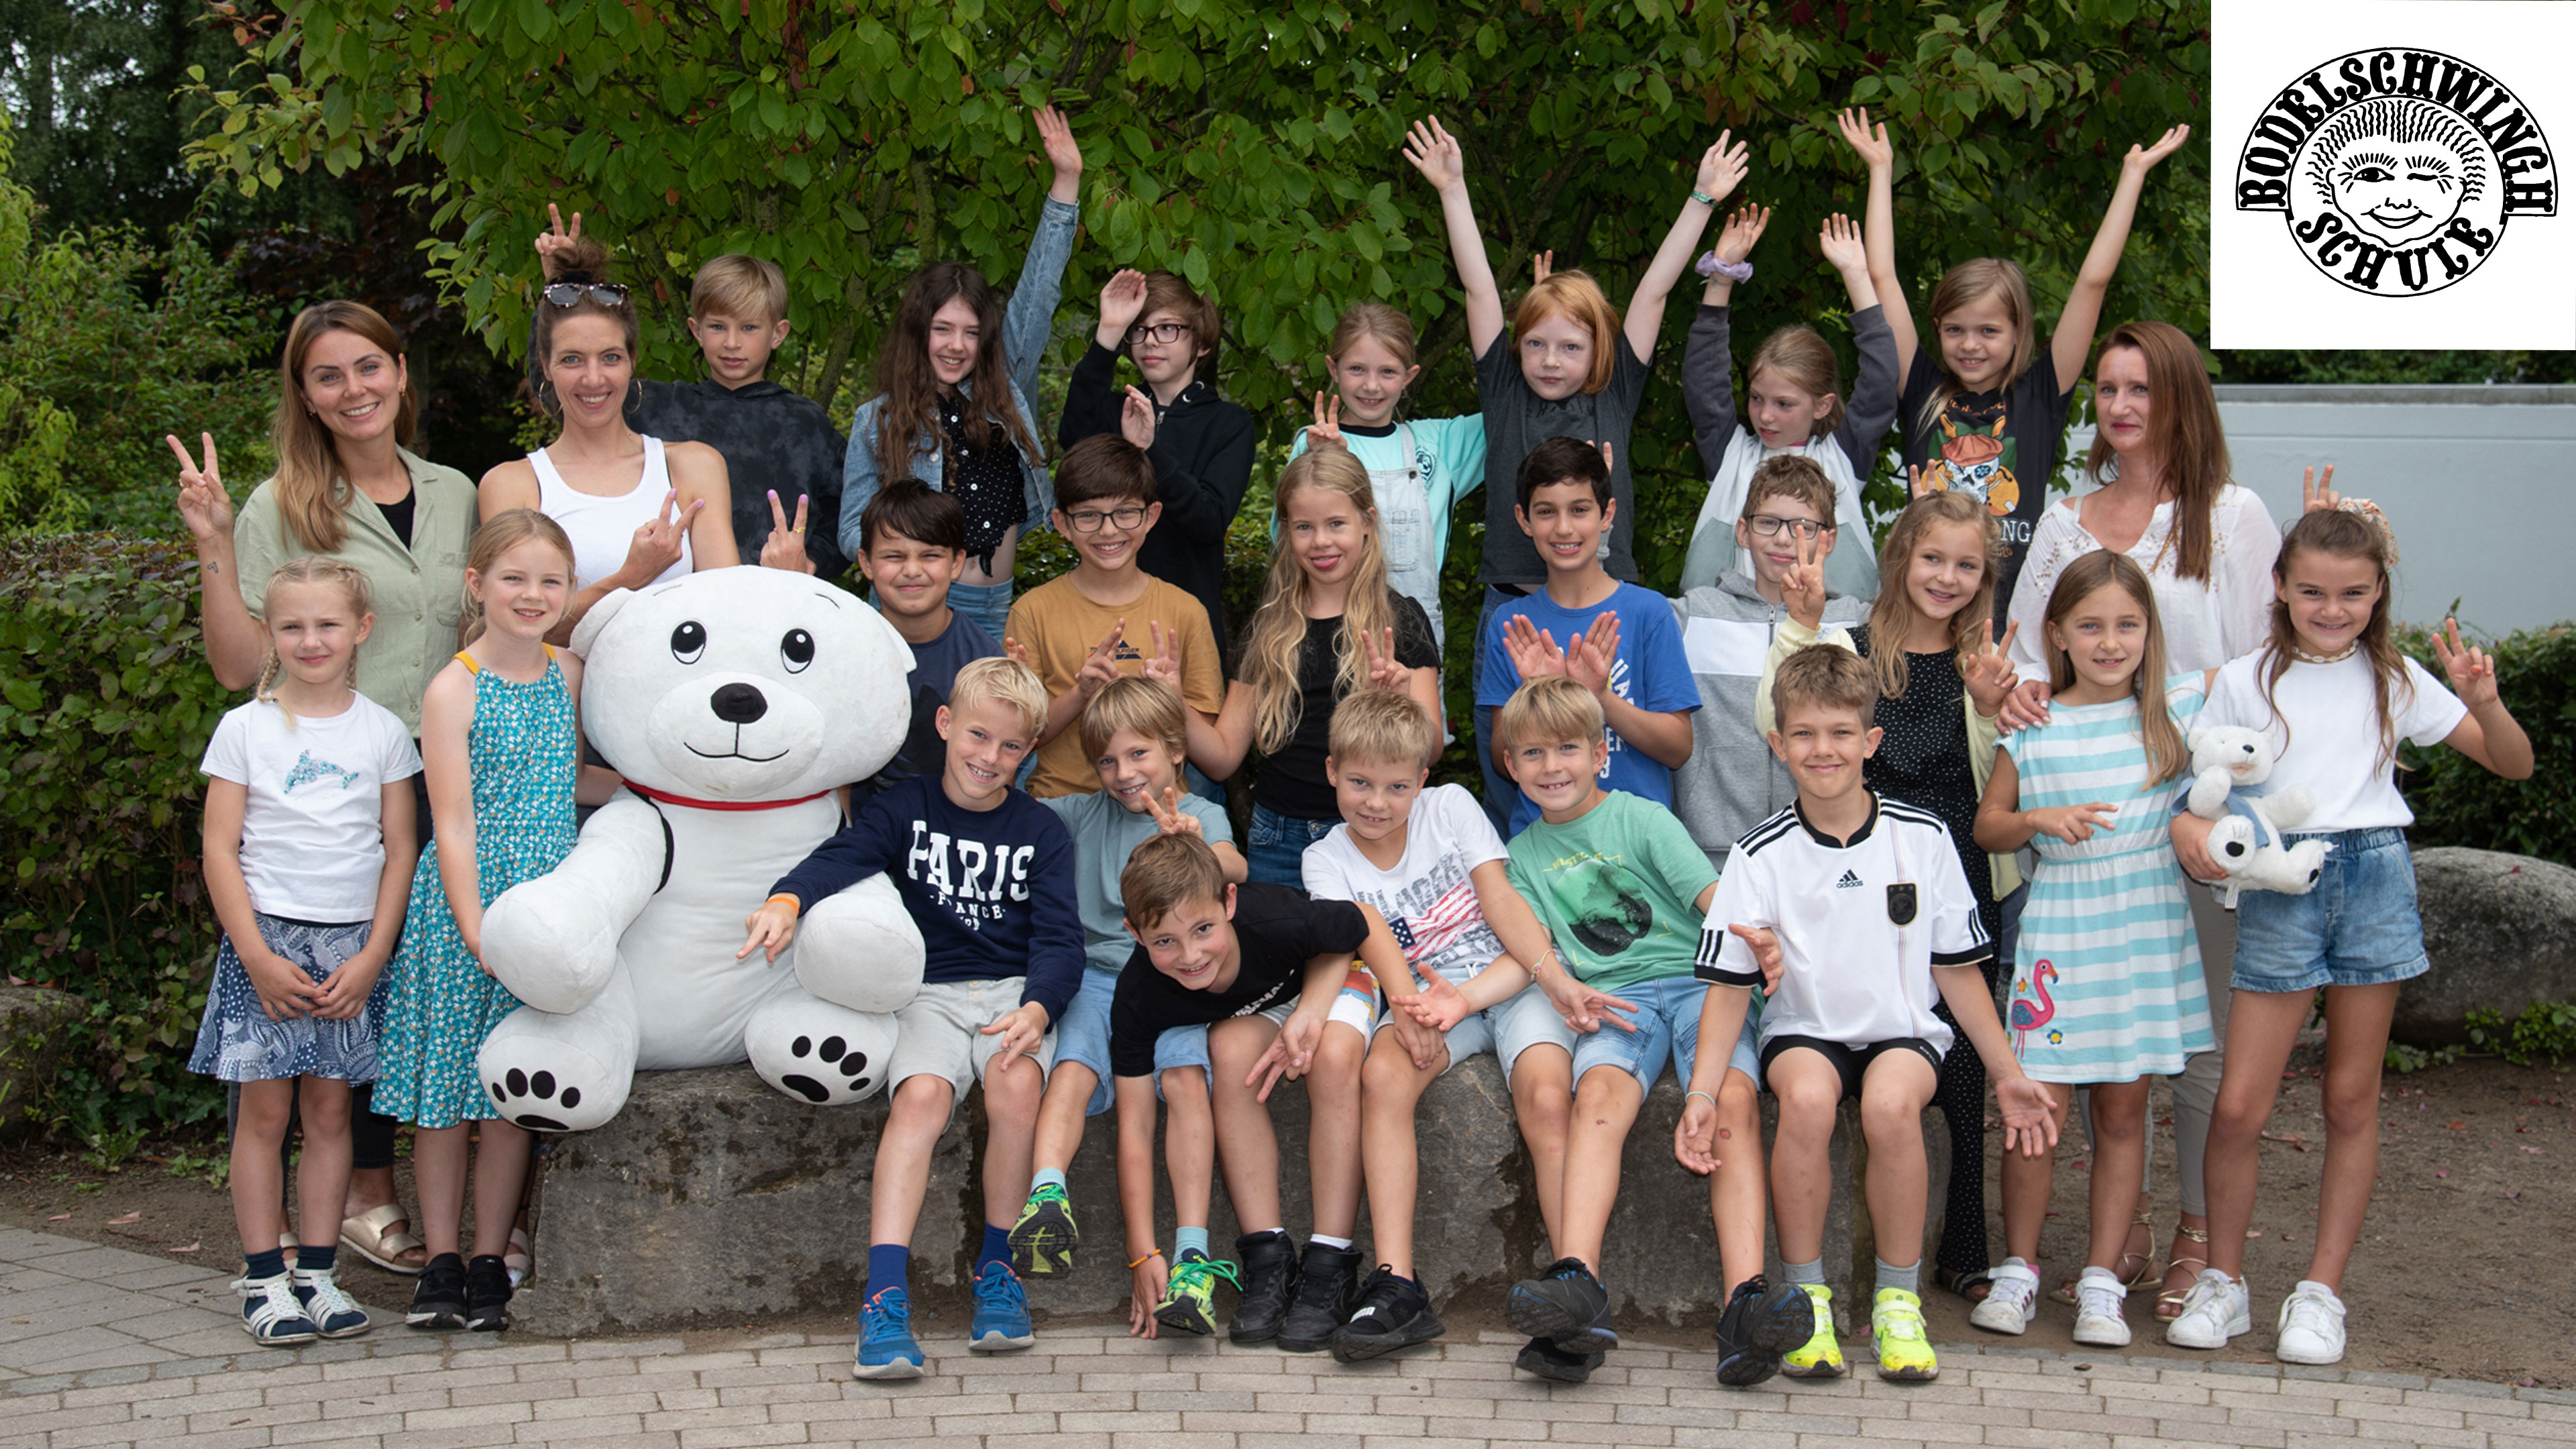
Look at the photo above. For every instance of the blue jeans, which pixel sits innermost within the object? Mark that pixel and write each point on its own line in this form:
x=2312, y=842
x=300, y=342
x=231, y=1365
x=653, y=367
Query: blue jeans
x=986, y=604
x=2356, y=927
x=1500, y=793
x=1277, y=852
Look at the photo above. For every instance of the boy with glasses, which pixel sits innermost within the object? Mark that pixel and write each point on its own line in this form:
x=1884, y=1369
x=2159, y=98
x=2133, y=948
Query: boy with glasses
x=1109, y=616
x=1200, y=444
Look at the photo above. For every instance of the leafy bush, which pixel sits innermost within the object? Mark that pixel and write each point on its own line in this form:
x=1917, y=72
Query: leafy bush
x=105, y=708
x=2544, y=1029
x=2458, y=802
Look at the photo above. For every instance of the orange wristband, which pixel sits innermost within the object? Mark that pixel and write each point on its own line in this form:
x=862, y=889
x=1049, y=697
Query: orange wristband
x=788, y=897
x=1149, y=1253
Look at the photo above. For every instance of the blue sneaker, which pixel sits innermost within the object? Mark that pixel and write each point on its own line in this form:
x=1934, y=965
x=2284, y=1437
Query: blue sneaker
x=886, y=1346
x=1001, y=1311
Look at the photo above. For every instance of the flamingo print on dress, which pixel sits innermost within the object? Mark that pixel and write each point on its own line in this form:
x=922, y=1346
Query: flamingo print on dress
x=2025, y=1017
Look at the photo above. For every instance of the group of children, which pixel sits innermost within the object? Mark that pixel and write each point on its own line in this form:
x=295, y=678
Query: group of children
x=1744, y=833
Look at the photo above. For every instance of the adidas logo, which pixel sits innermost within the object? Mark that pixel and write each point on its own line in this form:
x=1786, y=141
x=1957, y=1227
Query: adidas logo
x=1848, y=882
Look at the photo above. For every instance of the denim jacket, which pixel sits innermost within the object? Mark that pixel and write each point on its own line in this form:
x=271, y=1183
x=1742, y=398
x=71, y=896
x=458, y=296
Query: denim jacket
x=1026, y=325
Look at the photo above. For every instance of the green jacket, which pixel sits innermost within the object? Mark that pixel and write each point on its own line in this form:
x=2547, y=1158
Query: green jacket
x=419, y=591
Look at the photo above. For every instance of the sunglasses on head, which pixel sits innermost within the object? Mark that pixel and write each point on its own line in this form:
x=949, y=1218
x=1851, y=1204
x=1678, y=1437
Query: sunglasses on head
x=566, y=294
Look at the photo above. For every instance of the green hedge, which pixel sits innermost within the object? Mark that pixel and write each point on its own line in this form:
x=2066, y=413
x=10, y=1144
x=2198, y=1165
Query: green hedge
x=2457, y=802
x=105, y=707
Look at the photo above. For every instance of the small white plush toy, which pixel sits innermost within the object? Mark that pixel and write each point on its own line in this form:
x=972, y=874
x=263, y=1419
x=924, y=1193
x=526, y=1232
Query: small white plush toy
x=2229, y=764
x=733, y=702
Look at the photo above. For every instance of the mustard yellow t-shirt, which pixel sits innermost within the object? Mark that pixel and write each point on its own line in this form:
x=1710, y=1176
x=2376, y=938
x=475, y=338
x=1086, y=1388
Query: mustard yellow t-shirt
x=1060, y=628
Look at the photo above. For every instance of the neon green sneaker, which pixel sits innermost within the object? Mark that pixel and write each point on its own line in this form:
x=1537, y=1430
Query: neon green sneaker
x=1896, y=1325
x=1821, y=1357
x=1042, y=1240
x=1189, y=1296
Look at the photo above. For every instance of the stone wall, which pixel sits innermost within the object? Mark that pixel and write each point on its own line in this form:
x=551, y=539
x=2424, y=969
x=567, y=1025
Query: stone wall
x=712, y=1199
x=2501, y=932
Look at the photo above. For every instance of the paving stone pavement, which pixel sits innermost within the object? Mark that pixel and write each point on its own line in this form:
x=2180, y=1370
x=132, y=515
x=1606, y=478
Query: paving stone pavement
x=101, y=1347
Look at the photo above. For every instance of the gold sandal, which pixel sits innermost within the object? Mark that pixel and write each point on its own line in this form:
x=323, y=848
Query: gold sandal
x=2169, y=1302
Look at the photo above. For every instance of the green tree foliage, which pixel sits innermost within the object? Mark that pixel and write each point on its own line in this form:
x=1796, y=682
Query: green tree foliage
x=1252, y=148
x=105, y=345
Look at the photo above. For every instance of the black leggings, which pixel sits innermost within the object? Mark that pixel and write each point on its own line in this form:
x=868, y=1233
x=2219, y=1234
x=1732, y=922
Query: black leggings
x=1961, y=1097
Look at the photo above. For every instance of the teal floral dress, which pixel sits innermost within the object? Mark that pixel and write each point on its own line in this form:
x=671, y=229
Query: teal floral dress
x=524, y=752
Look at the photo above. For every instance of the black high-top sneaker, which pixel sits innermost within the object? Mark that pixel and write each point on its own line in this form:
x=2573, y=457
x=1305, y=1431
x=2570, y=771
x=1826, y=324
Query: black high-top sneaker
x=1327, y=1283
x=1269, y=1281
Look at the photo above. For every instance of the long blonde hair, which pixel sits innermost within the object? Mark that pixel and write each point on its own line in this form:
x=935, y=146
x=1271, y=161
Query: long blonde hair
x=2167, y=756
x=310, y=569
x=313, y=492
x=499, y=534
x=1277, y=638
x=1970, y=281
x=1891, y=618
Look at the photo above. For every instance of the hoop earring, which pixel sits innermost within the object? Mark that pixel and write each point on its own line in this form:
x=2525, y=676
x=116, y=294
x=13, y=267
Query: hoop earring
x=546, y=397
x=634, y=394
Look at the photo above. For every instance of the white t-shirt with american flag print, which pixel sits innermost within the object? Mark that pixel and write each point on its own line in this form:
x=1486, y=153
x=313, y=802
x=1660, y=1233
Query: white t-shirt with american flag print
x=1428, y=900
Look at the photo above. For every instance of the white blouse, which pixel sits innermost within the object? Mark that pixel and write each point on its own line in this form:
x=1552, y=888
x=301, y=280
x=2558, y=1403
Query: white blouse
x=2205, y=623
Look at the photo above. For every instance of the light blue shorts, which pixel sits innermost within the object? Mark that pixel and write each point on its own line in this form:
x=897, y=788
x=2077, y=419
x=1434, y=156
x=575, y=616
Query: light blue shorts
x=1667, y=1022
x=2357, y=927
x=1478, y=1031
x=1082, y=1038
x=1187, y=1046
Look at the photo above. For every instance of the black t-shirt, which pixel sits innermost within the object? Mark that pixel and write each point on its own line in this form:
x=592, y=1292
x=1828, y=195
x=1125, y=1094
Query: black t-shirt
x=1922, y=758
x=1518, y=420
x=398, y=515
x=1277, y=928
x=1292, y=780
x=2002, y=446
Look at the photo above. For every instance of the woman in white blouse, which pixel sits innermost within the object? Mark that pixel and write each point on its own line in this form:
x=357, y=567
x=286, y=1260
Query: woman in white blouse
x=2163, y=497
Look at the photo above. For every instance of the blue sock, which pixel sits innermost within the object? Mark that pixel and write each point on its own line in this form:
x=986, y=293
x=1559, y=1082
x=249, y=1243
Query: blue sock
x=265, y=1264
x=1189, y=1240
x=997, y=1248
x=317, y=1260
x=889, y=1266
x=1046, y=1177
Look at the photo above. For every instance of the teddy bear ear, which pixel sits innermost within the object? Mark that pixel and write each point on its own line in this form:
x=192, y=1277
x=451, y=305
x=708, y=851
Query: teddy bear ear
x=586, y=633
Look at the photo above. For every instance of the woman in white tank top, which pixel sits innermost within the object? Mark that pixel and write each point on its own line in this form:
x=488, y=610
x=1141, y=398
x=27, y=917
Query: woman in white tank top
x=638, y=510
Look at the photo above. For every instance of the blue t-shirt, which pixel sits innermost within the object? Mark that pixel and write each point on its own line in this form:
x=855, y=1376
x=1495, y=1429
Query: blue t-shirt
x=934, y=671
x=1652, y=672
x=992, y=891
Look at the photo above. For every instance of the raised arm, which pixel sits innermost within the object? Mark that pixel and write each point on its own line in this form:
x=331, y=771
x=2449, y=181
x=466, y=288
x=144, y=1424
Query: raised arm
x=2074, y=337
x=236, y=642
x=1030, y=318
x=1436, y=154
x=1878, y=228
x=1721, y=170
x=1708, y=357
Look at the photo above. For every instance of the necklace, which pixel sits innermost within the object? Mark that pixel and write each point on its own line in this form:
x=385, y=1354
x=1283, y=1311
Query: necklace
x=2304, y=657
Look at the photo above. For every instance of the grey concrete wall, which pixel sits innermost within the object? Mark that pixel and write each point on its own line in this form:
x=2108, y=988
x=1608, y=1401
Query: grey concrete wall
x=2479, y=481
x=712, y=1198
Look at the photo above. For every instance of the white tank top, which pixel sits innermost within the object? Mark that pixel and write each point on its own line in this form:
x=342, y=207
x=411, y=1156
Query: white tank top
x=602, y=527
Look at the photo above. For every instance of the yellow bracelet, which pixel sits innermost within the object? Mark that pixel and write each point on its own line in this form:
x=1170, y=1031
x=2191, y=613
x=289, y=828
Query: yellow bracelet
x=1149, y=1253
x=788, y=896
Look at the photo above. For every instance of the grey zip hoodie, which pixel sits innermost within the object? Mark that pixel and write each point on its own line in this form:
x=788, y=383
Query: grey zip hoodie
x=1732, y=782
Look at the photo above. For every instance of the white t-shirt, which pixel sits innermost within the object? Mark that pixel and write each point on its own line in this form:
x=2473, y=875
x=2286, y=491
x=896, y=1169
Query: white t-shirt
x=1428, y=899
x=2206, y=621
x=1851, y=972
x=2325, y=734
x=313, y=844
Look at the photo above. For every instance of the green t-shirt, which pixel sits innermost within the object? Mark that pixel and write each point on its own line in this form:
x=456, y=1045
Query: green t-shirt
x=1615, y=887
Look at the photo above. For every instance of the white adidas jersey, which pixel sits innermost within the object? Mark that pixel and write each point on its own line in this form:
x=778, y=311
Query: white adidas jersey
x=1861, y=924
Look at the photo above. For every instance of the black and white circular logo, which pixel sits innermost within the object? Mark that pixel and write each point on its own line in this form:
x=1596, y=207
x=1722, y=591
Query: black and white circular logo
x=2397, y=168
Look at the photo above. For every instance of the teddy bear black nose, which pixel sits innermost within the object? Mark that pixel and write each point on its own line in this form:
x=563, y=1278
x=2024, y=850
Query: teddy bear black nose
x=738, y=704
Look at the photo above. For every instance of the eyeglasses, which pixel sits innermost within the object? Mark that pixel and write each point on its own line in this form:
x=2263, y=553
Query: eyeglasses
x=1165, y=332
x=1769, y=527
x=567, y=294
x=1089, y=519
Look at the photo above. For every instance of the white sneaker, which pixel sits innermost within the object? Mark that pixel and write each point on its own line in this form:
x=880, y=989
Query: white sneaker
x=2217, y=1309
x=2007, y=1305
x=2100, y=1303
x=2311, y=1325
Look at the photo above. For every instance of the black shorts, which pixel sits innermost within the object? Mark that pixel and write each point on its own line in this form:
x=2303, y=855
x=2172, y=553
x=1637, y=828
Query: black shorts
x=1850, y=1062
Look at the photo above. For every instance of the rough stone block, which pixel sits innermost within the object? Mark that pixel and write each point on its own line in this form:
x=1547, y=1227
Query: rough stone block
x=2501, y=932
x=712, y=1199
x=33, y=1023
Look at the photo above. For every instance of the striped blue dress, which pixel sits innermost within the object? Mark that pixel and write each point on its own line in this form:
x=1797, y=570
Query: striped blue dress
x=2106, y=978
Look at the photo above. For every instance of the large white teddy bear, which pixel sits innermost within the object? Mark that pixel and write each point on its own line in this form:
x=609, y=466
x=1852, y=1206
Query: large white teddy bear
x=733, y=702
x=2229, y=764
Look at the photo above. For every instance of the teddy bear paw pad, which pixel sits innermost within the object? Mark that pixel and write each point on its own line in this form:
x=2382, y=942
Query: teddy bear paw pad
x=535, y=1090
x=831, y=1056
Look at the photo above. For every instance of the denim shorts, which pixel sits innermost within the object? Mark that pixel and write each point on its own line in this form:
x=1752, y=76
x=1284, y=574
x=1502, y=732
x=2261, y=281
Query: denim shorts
x=1667, y=1022
x=1082, y=1038
x=2357, y=927
x=1477, y=1031
x=1277, y=846
x=1355, y=1006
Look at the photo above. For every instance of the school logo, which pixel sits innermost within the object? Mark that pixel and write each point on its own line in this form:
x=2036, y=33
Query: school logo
x=2397, y=169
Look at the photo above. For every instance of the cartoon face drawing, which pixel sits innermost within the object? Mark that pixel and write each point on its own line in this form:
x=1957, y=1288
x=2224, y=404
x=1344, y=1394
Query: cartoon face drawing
x=1606, y=905
x=2398, y=170
x=1978, y=464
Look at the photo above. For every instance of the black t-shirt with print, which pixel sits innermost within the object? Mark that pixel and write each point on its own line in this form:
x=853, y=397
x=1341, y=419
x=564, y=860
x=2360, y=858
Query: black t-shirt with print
x=1277, y=928
x=1292, y=780
x=2001, y=445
